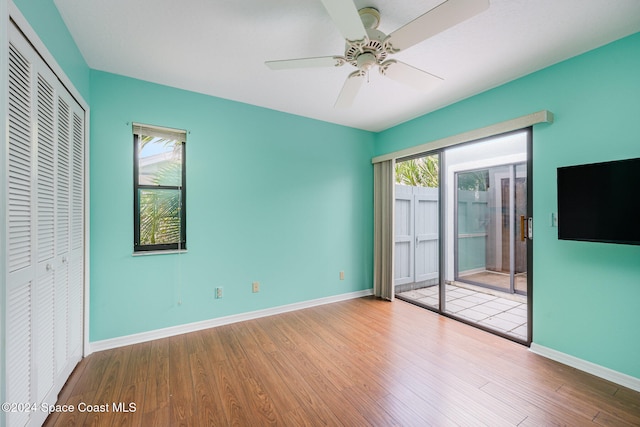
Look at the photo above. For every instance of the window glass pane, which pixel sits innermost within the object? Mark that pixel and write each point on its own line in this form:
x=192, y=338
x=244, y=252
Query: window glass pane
x=159, y=162
x=159, y=216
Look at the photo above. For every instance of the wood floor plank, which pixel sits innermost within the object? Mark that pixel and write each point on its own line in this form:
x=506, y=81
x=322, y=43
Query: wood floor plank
x=108, y=389
x=265, y=342
x=262, y=371
x=137, y=370
x=360, y=401
x=606, y=419
x=627, y=396
x=213, y=344
x=75, y=418
x=319, y=365
x=413, y=394
x=261, y=403
x=600, y=401
x=236, y=408
x=304, y=394
x=323, y=385
x=343, y=365
x=206, y=391
x=127, y=405
x=544, y=412
x=181, y=403
x=408, y=414
x=300, y=418
x=156, y=397
x=362, y=362
x=248, y=359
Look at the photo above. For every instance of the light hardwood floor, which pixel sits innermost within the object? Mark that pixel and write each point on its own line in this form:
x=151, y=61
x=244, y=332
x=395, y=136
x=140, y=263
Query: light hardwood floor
x=353, y=363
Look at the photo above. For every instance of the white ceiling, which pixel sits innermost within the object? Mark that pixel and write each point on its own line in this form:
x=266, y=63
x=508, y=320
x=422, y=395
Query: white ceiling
x=218, y=47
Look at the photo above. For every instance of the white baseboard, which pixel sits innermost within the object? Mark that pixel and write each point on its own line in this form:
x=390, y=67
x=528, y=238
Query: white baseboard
x=589, y=367
x=219, y=321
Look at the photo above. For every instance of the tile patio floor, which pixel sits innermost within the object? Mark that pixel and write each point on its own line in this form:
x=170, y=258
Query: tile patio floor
x=506, y=313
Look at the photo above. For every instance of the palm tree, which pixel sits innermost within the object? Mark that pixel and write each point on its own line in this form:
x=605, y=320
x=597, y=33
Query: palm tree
x=420, y=172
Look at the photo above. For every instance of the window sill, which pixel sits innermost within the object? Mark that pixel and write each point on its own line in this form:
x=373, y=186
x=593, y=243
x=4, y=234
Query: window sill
x=145, y=253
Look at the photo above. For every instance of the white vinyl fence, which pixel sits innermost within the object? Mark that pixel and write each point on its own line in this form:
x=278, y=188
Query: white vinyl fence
x=416, y=237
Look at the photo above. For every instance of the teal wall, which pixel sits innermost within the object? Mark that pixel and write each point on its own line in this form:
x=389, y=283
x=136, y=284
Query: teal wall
x=586, y=295
x=271, y=197
x=44, y=18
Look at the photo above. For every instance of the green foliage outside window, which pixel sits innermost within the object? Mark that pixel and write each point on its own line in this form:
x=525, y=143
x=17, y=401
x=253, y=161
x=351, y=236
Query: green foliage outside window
x=420, y=172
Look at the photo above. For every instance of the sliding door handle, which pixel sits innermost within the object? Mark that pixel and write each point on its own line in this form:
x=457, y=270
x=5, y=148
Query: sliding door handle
x=526, y=228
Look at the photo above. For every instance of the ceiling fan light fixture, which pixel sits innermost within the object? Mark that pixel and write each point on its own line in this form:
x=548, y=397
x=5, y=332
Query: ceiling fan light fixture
x=366, y=61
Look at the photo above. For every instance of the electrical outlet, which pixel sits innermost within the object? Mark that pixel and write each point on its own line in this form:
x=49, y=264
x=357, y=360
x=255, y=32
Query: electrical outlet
x=255, y=287
x=219, y=292
x=342, y=275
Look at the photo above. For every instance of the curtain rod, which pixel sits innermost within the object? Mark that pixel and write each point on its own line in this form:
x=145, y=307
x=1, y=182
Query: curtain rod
x=543, y=116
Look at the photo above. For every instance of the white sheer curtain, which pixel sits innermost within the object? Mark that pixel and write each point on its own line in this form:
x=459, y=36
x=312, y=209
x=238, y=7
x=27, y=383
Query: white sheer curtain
x=383, y=188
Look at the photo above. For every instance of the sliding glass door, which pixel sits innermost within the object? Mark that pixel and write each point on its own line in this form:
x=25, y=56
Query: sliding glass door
x=487, y=262
x=460, y=237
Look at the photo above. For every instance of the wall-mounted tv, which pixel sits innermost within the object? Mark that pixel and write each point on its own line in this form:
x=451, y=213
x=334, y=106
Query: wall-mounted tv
x=600, y=202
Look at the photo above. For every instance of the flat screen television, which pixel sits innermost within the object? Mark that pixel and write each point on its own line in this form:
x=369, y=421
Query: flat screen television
x=600, y=202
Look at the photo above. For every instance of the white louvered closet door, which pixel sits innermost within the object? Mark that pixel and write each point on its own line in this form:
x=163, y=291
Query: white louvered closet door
x=44, y=296
x=75, y=285
x=20, y=235
x=45, y=229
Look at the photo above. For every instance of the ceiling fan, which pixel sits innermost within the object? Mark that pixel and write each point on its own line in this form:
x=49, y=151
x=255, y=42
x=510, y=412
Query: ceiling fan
x=367, y=47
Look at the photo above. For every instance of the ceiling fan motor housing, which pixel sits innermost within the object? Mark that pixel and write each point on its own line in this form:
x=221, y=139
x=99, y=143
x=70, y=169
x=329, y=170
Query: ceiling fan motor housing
x=372, y=46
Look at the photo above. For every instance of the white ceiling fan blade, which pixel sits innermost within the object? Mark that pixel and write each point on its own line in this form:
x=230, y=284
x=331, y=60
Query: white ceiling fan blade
x=322, y=61
x=346, y=17
x=350, y=89
x=408, y=75
x=438, y=19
